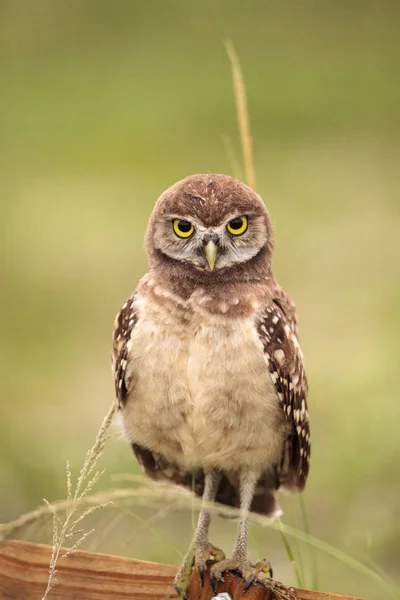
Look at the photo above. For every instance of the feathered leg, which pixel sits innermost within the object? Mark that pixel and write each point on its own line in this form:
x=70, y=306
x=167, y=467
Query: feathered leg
x=239, y=560
x=200, y=550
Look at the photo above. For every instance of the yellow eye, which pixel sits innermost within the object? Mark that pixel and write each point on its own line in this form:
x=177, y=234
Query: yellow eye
x=237, y=226
x=182, y=228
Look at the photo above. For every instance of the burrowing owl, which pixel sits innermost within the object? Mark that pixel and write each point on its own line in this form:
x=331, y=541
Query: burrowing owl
x=209, y=375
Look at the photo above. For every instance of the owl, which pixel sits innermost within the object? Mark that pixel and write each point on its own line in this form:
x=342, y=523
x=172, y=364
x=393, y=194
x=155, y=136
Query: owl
x=209, y=375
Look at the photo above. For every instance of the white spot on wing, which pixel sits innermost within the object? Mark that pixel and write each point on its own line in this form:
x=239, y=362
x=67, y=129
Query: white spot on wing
x=279, y=355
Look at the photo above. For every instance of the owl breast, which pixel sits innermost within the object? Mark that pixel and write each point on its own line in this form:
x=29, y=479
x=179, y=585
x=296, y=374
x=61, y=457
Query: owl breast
x=200, y=392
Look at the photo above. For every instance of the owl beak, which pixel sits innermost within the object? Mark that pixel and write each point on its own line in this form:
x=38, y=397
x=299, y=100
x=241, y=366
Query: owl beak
x=211, y=254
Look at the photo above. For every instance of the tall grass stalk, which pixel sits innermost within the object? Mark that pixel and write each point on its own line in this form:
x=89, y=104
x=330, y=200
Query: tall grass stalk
x=312, y=555
x=255, y=542
x=289, y=552
x=242, y=115
x=297, y=545
x=235, y=166
x=68, y=529
x=146, y=523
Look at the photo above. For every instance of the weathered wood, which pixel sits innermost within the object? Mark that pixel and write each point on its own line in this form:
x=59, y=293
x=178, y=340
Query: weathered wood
x=24, y=570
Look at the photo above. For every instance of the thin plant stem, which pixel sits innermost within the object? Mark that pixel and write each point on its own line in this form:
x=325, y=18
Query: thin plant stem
x=85, y=482
x=313, y=558
x=381, y=572
x=255, y=542
x=153, y=532
x=234, y=164
x=297, y=545
x=290, y=554
x=242, y=114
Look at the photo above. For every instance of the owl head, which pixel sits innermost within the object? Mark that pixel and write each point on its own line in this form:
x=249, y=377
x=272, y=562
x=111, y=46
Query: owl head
x=209, y=225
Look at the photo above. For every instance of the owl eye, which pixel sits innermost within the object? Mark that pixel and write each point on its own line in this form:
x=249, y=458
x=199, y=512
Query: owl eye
x=182, y=228
x=237, y=226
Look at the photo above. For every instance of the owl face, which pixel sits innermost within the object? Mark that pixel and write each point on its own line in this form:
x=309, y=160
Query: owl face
x=210, y=222
x=236, y=239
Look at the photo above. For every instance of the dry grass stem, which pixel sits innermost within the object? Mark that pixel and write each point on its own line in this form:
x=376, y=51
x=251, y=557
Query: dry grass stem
x=242, y=115
x=235, y=166
x=67, y=529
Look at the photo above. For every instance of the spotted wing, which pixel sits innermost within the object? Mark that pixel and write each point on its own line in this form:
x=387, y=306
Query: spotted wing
x=154, y=464
x=125, y=322
x=286, y=366
x=287, y=306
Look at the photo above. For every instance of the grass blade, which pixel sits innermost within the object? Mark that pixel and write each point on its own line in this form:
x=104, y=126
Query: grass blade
x=242, y=115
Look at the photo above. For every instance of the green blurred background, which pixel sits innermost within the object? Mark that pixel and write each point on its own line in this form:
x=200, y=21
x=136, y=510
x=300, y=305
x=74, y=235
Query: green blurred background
x=105, y=104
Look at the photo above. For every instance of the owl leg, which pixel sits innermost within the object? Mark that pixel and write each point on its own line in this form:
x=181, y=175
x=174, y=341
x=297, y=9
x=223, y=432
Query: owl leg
x=239, y=560
x=200, y=550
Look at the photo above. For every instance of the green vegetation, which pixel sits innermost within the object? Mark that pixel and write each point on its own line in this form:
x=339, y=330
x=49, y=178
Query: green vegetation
x=102, y=106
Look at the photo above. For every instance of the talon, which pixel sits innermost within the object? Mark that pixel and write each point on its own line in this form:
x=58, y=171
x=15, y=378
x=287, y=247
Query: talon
x=255, y=574
x=203, y=554
x=214, y=582
x=201, y=574
x=249, y=583
x=264, y=566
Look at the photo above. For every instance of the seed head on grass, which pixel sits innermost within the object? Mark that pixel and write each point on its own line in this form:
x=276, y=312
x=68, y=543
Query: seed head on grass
x=67, y=529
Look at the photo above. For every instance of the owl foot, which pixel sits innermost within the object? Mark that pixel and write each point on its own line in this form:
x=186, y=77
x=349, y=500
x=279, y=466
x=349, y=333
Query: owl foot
x=237, y=563
x=199, y=558
x=203, y=555
x=260, y=573
x=256, y=574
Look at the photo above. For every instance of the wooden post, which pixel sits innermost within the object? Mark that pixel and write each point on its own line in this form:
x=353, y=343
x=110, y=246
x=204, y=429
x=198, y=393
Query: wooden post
x=24, y=568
